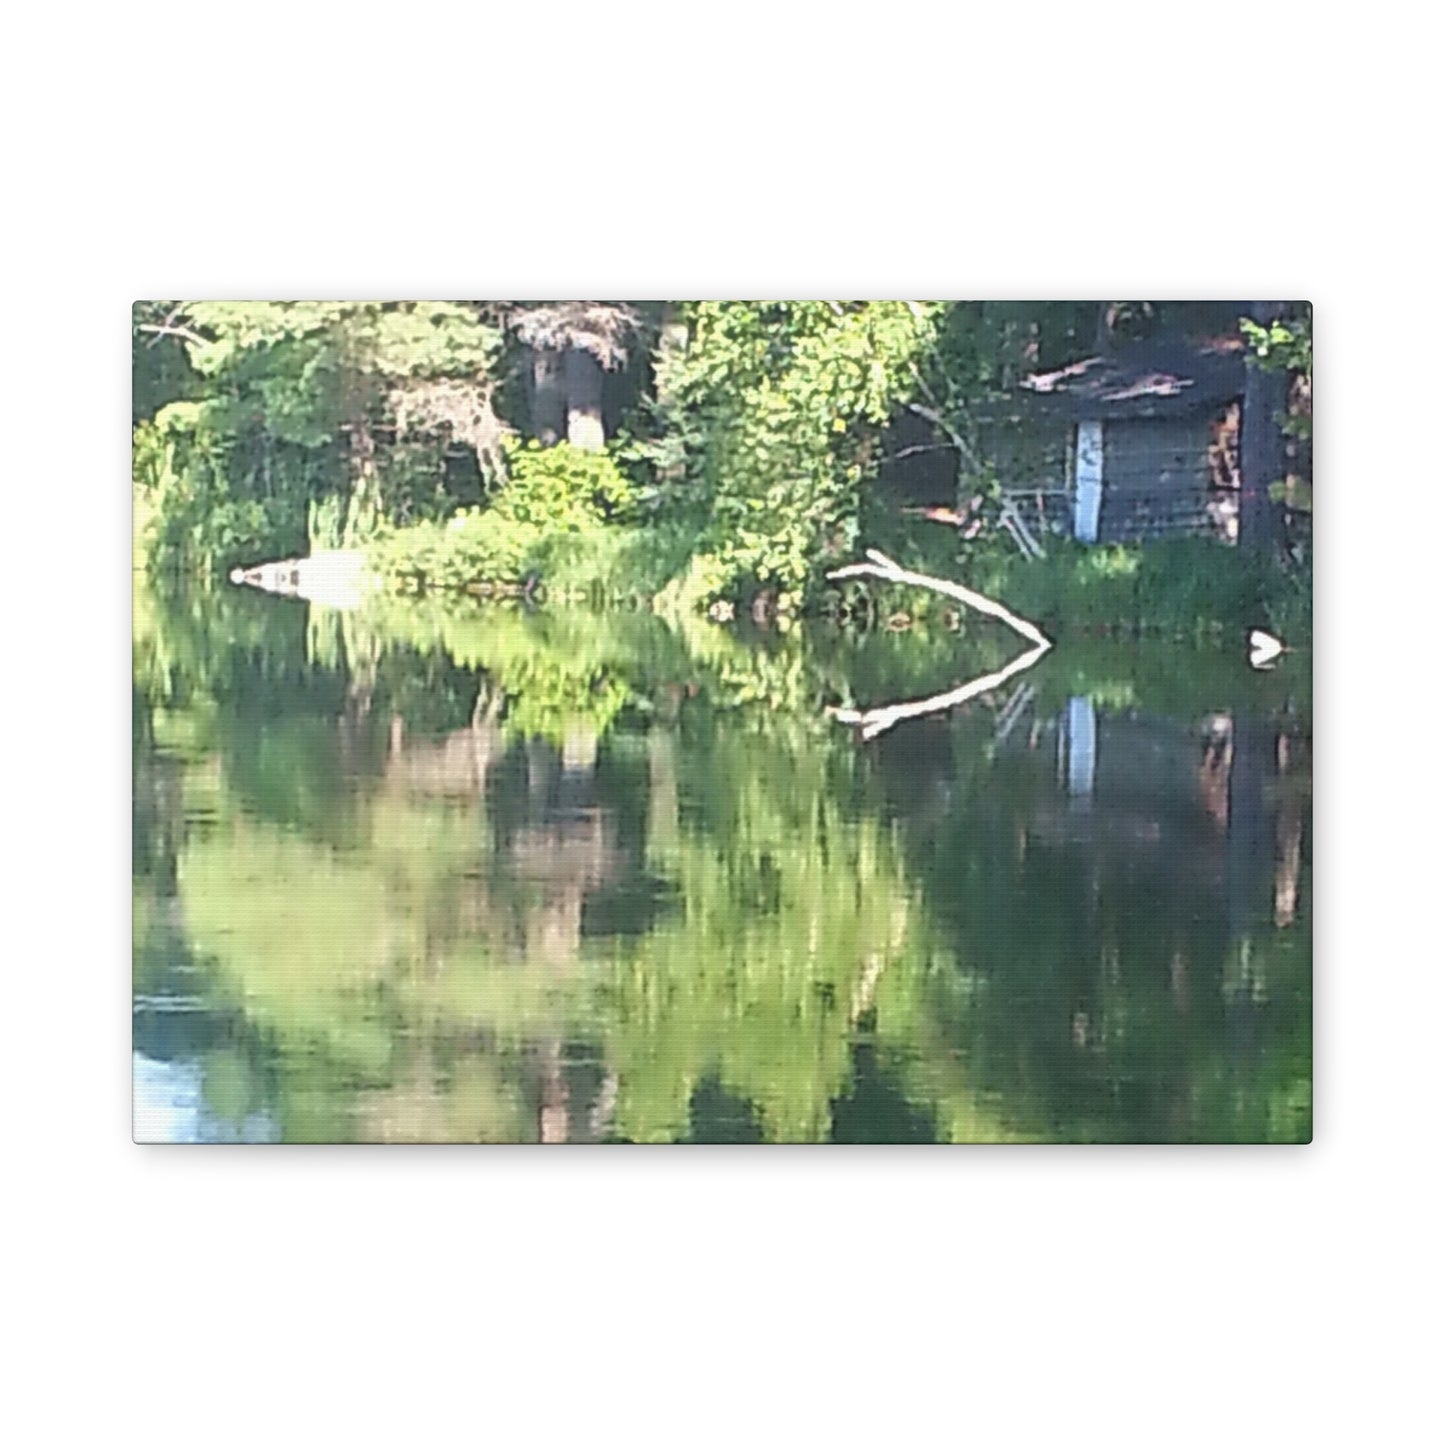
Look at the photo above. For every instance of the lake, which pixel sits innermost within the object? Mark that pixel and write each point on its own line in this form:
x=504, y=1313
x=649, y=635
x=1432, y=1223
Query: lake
x=451, y=872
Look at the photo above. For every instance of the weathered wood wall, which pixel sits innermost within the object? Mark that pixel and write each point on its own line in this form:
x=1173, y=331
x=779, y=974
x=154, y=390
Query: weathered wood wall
x=1028, y=455
x=1143, y=516
x=1157, y=479
x=1156, y=455
x=1161, y=475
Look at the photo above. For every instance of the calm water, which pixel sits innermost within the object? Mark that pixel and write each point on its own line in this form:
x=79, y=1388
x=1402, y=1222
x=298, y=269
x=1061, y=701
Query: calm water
x=478, y=875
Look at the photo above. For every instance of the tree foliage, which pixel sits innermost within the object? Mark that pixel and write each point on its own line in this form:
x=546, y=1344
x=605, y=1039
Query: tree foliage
x=280, y=439
x=1286, y=344
x=265, y=428
x=781, y=404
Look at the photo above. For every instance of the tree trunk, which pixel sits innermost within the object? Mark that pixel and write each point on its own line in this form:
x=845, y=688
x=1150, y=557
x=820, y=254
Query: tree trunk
x=1104, y=327
x=672, y=338
x=549, y=397
x=1262, y=447
x=671, y=347
x=552, y=1116
x=364, y=503
x=584, y=401
x=1250, y=839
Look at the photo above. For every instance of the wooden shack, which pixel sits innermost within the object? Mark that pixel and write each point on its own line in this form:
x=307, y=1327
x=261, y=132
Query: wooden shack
x=1139, y=443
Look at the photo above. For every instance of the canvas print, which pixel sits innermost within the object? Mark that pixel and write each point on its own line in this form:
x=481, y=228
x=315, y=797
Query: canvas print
x=722, y=721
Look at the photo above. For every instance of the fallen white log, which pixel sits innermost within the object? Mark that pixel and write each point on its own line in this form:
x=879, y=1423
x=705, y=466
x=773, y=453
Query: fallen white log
x=872, y=721
x=884, y=567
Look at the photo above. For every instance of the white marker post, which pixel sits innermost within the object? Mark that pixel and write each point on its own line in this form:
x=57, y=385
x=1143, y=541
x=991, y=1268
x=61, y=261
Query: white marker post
x=1088, y=480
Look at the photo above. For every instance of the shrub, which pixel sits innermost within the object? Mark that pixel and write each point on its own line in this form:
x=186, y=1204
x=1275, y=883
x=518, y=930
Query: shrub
x=561, y=488
x=557, y=516
x=474, y=546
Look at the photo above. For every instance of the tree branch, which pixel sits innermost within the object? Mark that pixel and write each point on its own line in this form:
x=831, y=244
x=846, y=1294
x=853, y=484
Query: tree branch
x=968, y=457
x=875, y=720
x=913, y=451
x=184, y=332
x=884, y=567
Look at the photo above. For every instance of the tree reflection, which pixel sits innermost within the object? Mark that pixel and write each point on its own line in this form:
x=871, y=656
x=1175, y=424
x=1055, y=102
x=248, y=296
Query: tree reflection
x=434, y=874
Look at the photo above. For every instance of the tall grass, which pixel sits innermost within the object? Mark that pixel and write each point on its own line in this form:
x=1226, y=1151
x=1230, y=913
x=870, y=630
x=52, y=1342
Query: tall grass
x=605, y=564
x=1187, y=588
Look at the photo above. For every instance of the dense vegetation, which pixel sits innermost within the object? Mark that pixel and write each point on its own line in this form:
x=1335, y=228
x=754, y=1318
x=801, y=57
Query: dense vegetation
x=684, y=454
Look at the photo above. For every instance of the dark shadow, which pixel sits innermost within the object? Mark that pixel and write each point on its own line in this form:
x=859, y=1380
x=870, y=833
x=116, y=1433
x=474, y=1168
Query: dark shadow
x=875, y=1110
x=718, y=1117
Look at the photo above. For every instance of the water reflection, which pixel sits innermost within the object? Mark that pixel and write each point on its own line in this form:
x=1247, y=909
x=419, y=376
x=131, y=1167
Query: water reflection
x=424, y=874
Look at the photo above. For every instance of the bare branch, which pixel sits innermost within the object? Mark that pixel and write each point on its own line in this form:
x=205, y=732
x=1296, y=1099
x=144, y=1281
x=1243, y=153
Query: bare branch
x=875, y=720
x=184, y=332
x=913, y=451
x=884, y=567
x=930, y=414
x=169, y=317
x=463, y=407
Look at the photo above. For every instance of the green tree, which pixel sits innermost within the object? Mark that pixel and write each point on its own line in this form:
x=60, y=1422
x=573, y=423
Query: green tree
x=780, y=405
x=1282, y=345
x=279, y=438
x=1262, y=446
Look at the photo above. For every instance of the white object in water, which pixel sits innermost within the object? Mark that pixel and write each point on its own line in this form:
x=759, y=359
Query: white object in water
x=333, y=579
x=1079, y=742
x=1263, y=649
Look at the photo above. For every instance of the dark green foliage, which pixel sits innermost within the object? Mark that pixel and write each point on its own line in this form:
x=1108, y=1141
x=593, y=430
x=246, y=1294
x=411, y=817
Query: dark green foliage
x=193, y=518
x=562, y=488
x=558, y=518
x=985, y=346
x=1285, y=344
x=160, y=370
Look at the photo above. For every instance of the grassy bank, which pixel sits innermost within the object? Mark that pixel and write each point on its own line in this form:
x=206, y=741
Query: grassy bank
x=1186, y=588
x=575, y=533
x=484, y=555
x=1189, y=589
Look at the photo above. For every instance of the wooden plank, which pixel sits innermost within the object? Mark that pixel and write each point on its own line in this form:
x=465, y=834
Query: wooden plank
x=1088, y=480
x=1017, y=528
